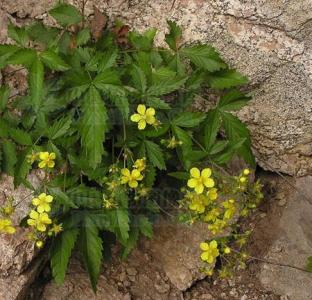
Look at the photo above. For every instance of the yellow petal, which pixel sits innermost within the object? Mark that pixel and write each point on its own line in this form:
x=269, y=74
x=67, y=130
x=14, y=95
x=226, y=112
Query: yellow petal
x=133, y=183
x=199, y=188
x=35, y=201
x=51, y=164
x=41, y=227
x=42, y=196
x=209, y=259
x=136, y=118
x=125, y=172
x=209, y=182
x=42, y=164
x=44, y=155
x=40, y=209
x=206, y=172
x=195, y=173
x=124, y=179
x=52, y=155
x=204, y=246
x=142, y=124
x=213, y=244
x=150, y=112
x=204, y=256
x=150, y=120
x=141, y=109
x=135, y=174
x=10, y=230
x=192, y=182
x=49, y=199
x=31, y=222
x=34, y=215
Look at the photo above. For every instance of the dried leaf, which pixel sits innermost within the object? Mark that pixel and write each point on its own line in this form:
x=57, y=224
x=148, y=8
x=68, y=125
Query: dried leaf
x=98, y=23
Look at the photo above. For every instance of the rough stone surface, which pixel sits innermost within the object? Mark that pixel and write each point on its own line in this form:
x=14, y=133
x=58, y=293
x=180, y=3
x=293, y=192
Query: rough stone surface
x=270, y=41
x=292, y=246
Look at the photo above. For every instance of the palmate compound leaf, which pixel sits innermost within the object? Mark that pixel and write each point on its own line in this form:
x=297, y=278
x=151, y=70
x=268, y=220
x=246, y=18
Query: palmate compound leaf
x=93, y=125
x=173, y=38
x=36, y=76
x=90, y=246
x=66, y=14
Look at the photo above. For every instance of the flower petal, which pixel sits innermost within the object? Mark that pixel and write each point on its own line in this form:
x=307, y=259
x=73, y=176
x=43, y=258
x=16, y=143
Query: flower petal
x=44, y=155
x=208, y=182
x=199, y=188
x=150, y=120
x=49, y=199
x=51, y=164
x=136, y=118
x=150, y=112
x=133, y=183
x=213, y=244
x=34, y=215
x=35, y=201
x=204, y=246
x=141, y=109
x=204, y=256
x=125, y=172
x=195, y=172
x=142, y=124
x=42, y=164
x=52, y=155
x=192, y=182
x=206, y=172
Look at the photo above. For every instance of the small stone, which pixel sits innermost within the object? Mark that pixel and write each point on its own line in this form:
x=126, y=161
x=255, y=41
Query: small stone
x=206, y=297
x=282, y=202
x=162, y=288
x=131, y=271
x=244, y=297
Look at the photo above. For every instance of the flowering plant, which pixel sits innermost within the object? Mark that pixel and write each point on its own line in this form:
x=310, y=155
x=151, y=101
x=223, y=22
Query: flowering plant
x=106, y=117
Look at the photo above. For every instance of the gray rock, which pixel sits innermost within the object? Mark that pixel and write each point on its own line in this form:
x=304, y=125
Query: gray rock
x=295, y=244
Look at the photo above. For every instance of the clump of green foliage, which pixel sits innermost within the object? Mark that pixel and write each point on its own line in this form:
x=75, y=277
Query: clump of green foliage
x=106, y=117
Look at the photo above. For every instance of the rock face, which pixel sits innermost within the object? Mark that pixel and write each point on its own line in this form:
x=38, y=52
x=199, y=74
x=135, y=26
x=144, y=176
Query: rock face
x=270, y=41
x=16, y=252
x=293, y=246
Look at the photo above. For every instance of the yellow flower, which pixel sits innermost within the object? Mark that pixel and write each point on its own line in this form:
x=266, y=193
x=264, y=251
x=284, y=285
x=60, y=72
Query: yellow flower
x=144, y=116
x=197, y=205
x=227, y=250
x=200, y=180
x=56, y=228
x=46, y=160
x=39, y=244
x=39, y=220
x=112, y=185
x=31, y=158
x=230, y=209
x=242, y=179
x=212, y=215
x=210, y=251
x=43, y=202
x=143, y=191
x=140, y=164
x=212, y=194
x=8, y=210
x=217, y=226
x=246, y=172
x=6, y=226
x=173, y=143
x=131, y=178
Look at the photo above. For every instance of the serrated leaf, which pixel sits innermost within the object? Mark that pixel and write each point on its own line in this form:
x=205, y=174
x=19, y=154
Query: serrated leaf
x=204, y=56
x=180, y=175
x=20, y=136
x=98, y=23
x=25, y=57
x=156, y=132
x=233, y=100
x=66, y=14
x=59, y=128
x=85, y=197
x=83, y=37
x=93, y=125
x=166, y=86
x=42, y=34
x=138, y=78
x=108, y=60
x=9, y=157
x=61, y=197
x=19, y=35
x=218, y=147
x=131, y=242
x=22, y=167
x=226, y=79
x=228, y=153
x=4, y=128
x=155, y=155
x=36, y=76
x=182, y=136
x=90, y=246
x=145, y=226
x=188, y=119
x=6, y=51
x=53, y=61
x=122, y=104
x=60, y=253
x=157, y=103
x=4, y=97
x=143, y=41
x=173, y=38
x=119, y=220
x=212, y=126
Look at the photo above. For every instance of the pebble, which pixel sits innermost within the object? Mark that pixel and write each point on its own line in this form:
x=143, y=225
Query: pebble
x=282, y=202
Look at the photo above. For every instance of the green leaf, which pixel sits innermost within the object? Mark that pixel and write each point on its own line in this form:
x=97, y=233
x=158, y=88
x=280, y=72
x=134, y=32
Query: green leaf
x=66, y=14
x=59, y=128
x=90, y=246
x=86, y=197
x=233, y=100
x=36, y=76
x=150, y=176
x=188, y=119
x=9, y=157
x=157, y=103
x=218, y=147
x=226, y=79
x=173, y=38
x=22, y=167
x=204, y=56
x=138, y=78
x=119, y=220
x=4, y=97
x=20, y=136
x=122, y=104
x=143, y=41
x=6, y=51
x=53, y=61
x=309, y=264
x=131, y=242
x=19, y=35
x=93, y=125
x=166, y=86
x=42, y=34
x=61, y=198
x=145, y=226
x=4, y=128
x=183, y=136
x=25, y=57
x=155, y=155
x=83, y=37
x=156, y=132
x=108, y=59
x=212, y=126
x=234, y=127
